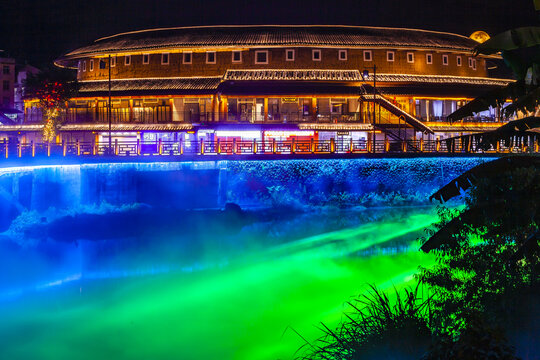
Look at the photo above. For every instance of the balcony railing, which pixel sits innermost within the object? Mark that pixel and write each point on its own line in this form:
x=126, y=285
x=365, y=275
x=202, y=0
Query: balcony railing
x=14, y=149
x=164, y=117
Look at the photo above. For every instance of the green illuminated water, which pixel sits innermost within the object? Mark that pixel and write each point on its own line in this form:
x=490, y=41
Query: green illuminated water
x=243, y=308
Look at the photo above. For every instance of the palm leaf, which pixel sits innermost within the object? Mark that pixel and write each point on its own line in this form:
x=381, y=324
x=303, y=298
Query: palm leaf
x=492, y=98
x=483, y=171
x=510, y=40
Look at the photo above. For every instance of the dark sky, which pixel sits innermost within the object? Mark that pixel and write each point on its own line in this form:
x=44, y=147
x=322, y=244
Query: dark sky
x=37, y=31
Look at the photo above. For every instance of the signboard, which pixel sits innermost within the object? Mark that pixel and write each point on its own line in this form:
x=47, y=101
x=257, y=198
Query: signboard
x=343, y=133
x=289, y=100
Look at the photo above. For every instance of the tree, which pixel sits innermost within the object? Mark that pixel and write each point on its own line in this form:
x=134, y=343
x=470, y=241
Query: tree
x=52, y=89
x=488, y=255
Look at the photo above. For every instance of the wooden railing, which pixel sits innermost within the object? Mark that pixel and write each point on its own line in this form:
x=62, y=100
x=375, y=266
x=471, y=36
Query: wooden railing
x=10, y=149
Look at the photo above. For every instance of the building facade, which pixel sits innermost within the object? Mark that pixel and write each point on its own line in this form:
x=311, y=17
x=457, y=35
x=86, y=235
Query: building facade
x=272, y=82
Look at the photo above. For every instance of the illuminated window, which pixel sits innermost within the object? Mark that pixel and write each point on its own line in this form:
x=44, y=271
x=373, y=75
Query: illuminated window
x=165, y=59
x=367, y=55
x=113, y=61
x=210, y=57
x=390, y=55
x=410, y=57
x=186, y=57
x=102, y=64
x=289, y=55
x=458, y=60
x=84, y=66
x=236, y=56
x=470, y=62
x=445, y=59
x=79, y=66
x=146, y=59
x=261, y=57
x=429, y=59
x=92, y=65
x=127, y=60
x=316, y=55
x=474, y=64
x=342, y=55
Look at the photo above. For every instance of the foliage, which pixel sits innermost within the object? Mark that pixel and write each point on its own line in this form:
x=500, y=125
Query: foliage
x=52, y=89
x=520, y=49
x=380, y=328
x=478, y=341
x=488, y=253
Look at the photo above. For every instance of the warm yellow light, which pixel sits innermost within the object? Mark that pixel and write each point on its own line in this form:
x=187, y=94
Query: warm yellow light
x=480, y=36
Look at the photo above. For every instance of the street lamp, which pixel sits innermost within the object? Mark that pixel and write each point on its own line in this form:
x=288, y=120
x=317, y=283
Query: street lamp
x=109, y=109
x=365, y=75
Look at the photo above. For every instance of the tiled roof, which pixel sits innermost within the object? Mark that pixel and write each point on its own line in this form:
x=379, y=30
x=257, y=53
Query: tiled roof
x=126, y=127
x=305, y=75
x=192, y=83
x=439, y=79
x=103, y=127
x=463, y=127
x=272, y=35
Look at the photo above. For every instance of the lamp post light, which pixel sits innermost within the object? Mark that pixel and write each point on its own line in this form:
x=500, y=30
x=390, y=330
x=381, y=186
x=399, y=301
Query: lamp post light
x=365, y=75
x=109, y=109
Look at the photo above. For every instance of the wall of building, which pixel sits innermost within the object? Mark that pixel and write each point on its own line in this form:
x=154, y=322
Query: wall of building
x=7, y=82
x=276, y=60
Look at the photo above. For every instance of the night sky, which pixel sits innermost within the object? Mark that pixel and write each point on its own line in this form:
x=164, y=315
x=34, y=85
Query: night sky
x=38, y=31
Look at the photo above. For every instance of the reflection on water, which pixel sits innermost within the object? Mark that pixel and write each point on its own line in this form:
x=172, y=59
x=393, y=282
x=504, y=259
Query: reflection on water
x=193, y=285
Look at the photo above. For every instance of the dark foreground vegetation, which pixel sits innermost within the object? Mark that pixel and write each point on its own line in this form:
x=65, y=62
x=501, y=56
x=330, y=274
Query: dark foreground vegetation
x=482, y=298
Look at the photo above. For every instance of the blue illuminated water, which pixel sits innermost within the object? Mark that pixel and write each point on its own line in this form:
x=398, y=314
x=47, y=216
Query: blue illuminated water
x=65, y=226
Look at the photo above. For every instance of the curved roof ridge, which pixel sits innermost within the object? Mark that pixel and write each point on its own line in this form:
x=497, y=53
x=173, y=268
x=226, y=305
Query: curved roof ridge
x=274, y=26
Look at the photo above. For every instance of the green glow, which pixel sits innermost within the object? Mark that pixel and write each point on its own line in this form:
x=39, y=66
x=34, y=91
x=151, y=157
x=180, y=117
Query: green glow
x=241, y=311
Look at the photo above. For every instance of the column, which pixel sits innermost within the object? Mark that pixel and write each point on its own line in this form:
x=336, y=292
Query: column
x=314, y=111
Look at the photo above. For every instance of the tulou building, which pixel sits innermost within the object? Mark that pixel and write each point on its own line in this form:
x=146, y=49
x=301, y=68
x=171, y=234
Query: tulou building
x=348, y=84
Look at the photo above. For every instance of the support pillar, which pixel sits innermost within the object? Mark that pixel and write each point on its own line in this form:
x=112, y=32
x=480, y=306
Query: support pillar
x=265, y=109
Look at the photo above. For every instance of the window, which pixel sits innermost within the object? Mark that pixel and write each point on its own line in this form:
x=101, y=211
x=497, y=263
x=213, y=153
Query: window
x=102, y=64
x=429, y=58
x=146, y=59
x=6, y=101
x=342, y=54
x=410, y=57
x=79, y=66
x=127, y=60
x=5, y=70
x=445, y=59
x=113, y=61
x=84, y=66
x=236, y=56
x=289, y=55
x=186, y=57
x=261, y=57
x=474, y=64
x=367, y=55
x=165, y=59
x=458, y=60
x=470, y=62
x=390, y=55
x=316, y=55
x=91, y=65
x=210, y=57
x=5, y=85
